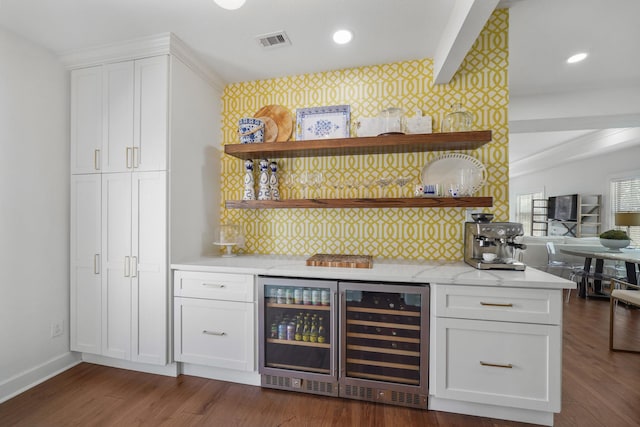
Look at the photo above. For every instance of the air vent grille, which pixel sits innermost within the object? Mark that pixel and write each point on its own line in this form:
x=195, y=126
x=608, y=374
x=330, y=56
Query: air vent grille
x=272, y=40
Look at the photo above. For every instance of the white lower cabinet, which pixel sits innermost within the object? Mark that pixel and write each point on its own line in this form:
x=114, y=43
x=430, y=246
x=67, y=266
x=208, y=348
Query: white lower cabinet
x=487, y=354
x=498, y=363
x=214, y=320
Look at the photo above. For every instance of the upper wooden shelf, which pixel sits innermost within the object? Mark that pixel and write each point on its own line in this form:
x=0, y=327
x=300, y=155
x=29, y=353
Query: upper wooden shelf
x=408, y=202
x=366, y=145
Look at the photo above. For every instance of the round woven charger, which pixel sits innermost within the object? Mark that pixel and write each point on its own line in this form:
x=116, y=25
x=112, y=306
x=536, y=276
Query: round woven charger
x=282, y=117
x=270, y=129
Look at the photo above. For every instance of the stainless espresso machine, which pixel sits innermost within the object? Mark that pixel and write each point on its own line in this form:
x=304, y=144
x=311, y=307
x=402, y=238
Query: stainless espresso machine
x=496, y=239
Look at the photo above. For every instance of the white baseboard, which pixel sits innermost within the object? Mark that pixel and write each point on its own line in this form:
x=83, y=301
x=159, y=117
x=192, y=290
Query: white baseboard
x=491, y=411
x=170, y=370
x=34, y=376
x=230, y=375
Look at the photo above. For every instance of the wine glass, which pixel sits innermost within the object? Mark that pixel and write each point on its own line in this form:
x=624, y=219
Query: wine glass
x=316, y=180
x=351, y=184
x=289, y=181
x=402, y=182
x=383, y=183
x=337, y=184
x=303, y=182
x=366, y=184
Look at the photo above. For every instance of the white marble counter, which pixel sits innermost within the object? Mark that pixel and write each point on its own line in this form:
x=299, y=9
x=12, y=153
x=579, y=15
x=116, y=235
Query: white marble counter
x=383, y=270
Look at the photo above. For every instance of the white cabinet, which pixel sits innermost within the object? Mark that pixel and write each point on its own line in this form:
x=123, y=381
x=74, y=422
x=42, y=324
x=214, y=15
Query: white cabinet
x=119, y=116
x=214, y=318
x=499, y=347
x=86, y=120
x=136, y=108
x=134, y=265
x=86, y=294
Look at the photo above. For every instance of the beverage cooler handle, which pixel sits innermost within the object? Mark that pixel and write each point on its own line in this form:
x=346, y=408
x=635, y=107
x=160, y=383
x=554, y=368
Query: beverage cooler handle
x=341, y=315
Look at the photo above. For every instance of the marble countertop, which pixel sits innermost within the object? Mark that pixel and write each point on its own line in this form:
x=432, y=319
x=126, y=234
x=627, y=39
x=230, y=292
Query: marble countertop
x=384, y=270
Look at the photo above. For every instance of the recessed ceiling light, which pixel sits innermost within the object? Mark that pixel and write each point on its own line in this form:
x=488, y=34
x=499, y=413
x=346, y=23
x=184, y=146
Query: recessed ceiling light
x=230, y=4
x=576, y=58
x=342, y=36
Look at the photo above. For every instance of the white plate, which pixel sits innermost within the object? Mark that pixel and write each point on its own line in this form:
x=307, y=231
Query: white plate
x=465, y=172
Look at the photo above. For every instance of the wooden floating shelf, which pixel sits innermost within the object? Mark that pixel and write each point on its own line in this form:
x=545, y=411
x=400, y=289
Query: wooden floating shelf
x=409, y=202
x=365, y=145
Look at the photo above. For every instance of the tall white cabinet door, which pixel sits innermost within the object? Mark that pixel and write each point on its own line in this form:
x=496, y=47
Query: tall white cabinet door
x=117, y=147
x=149, y=275
x=151, y=114
x=116, y=265
x=86, y=120
x=86, y=294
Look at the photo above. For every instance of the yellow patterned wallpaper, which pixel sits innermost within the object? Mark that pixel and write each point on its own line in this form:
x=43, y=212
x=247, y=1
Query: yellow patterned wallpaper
x=413, y=233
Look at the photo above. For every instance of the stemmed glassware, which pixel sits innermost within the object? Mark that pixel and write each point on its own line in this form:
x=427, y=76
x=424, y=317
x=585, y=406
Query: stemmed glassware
x=383, y=183
x=289, y=180
x=316, y=180
x=402, y=181
x=303, y=181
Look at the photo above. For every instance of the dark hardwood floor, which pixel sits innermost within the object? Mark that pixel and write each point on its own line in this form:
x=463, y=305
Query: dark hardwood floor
x=600, y=388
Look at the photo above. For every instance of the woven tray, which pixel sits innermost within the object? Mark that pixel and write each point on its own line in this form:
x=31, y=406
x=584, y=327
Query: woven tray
x=337, y=260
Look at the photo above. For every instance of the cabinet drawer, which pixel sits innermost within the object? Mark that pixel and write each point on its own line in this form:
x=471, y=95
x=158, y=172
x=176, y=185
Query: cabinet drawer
x=220, y=286
x=495, y=303
x=498, y=363
x=215, y=333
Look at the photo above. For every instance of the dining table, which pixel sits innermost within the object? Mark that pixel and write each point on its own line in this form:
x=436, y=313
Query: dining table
x=630, y=257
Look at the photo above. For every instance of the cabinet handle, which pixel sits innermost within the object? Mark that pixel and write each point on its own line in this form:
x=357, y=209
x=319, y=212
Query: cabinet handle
x=136, y=157
x=216, y=333
x=497, y=365
x=96, y=264
x=127, y=266
x=96, y=159
x=134, y=266
x=213, y=285
x=496, y=304
x=127, y=151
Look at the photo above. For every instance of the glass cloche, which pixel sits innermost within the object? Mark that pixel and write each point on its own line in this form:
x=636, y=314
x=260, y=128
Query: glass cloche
x=458, y=120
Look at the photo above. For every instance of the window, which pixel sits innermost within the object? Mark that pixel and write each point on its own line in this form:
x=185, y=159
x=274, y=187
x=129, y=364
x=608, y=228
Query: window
x=525, y=214
x=625, y=197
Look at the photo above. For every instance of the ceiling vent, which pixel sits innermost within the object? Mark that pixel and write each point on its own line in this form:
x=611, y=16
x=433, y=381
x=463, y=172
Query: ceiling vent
x=271, y=40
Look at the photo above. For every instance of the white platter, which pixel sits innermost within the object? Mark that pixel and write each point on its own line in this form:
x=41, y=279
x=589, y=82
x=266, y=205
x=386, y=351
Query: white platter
x=323, y=122
x=461, y=171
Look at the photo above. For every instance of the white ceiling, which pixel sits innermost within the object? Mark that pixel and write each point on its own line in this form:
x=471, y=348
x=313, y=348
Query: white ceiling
x=543, y=33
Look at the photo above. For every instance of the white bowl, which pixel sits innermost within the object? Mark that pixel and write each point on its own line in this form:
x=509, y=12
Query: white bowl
x=614, y=245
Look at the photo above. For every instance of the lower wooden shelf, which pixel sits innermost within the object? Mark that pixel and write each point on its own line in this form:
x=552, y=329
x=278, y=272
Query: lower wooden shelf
x=397, y=202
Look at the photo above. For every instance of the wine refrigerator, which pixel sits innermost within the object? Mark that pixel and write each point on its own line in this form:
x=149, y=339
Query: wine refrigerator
x=358, y=340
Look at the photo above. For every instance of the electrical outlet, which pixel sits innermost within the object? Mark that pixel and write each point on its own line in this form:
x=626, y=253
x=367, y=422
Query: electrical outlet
x=57, y=328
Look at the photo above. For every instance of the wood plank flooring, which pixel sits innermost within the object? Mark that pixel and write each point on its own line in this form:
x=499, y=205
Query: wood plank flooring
x=600, y=388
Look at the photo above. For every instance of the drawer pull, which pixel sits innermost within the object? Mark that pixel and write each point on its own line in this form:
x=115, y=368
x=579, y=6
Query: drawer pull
x=496, y=365
x=213, y=285
x=496, y=304
x=216, y=333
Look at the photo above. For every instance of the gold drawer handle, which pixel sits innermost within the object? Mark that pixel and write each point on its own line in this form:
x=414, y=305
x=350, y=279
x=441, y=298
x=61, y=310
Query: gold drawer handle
x=497, y=365
x=496, y=304
x=216, y=333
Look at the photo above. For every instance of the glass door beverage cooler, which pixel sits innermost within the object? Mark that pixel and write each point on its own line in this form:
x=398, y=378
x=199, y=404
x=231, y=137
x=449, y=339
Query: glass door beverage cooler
x=359, y=340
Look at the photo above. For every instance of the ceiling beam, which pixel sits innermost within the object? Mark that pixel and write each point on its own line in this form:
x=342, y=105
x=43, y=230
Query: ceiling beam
x=575, y=123
x=467, y=19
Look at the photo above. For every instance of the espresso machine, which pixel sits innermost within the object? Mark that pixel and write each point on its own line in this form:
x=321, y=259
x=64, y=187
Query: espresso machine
x=491, y=245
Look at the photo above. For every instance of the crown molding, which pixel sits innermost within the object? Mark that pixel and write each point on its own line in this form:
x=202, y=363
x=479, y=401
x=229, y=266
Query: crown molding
x=159, y=44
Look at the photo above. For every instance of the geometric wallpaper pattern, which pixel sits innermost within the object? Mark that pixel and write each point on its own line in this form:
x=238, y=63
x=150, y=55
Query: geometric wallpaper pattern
x=411, y=233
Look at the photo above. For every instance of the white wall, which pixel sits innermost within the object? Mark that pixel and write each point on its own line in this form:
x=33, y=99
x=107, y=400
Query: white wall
x=586, y=176
x=34, y=218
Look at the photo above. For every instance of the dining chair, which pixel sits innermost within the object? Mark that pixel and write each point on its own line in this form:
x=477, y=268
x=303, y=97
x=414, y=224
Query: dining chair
x=628, y=294
x=554, y=262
